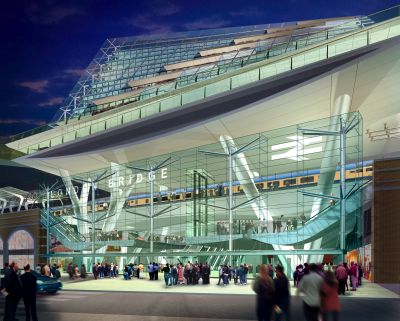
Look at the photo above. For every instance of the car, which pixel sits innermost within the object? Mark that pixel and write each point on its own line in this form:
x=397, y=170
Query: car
x=45, y=284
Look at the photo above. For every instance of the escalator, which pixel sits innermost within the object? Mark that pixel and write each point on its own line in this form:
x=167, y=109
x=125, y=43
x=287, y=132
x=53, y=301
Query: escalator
x=310, y=230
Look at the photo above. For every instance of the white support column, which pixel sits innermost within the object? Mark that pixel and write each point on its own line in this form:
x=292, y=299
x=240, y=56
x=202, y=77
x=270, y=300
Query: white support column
x=342, y=188
x=151, y=176
x=230, y=178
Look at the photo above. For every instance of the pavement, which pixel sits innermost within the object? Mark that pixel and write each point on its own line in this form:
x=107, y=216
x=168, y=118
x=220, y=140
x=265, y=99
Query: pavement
x=134, y=306
x=144, y=300
x=368, y=290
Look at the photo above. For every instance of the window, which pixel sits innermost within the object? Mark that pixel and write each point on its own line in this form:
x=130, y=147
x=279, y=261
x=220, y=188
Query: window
x=307, y=179
x=289, y=182
x=21, y=248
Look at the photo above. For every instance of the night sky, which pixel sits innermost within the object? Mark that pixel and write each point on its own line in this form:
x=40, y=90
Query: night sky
x=46, y=44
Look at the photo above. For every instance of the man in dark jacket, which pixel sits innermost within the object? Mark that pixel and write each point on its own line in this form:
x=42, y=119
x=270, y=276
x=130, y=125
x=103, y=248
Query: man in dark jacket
x=282, y=294
x=13, y=287
x=28, y=281
x=6, y=272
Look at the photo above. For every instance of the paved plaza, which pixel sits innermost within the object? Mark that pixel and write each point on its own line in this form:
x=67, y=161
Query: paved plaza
x=368, y=290
x=149, y=306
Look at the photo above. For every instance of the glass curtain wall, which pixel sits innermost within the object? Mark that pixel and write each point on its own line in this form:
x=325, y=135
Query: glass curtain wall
x=263, y=194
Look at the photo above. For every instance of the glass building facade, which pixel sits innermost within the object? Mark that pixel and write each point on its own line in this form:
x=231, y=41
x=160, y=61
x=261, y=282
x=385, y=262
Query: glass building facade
x=272, y=195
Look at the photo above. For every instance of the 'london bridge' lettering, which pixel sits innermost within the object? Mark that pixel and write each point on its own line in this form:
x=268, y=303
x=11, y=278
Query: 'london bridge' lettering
x=136, y=178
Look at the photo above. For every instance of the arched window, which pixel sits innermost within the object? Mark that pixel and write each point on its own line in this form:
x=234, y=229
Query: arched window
x=21, y=248
x=1, y=253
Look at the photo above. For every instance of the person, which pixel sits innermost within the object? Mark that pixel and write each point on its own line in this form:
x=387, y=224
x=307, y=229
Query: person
x=155, y=268
x=245, y=273
x=180, y=274
x=279, y=224
x=353, y=276
x=348, y=274
x=70, y=270
x=150, y=269
x=205, y=273
x=174, y=275
x=282, y=294
x=28, y=281
x=294, y=223
x=53, y=270
x=7, y=271
x=58, y=273
x=220, y=274
x=167, y=275
x=360, y=274
x=264, y=288
x=341, y=275
x=95, y=271
x=311, y=285
x=83, y=271
x=46, y=270
x=140, y=273
x=271, y=271
x=225, y=274
x=330, y=300
x=13, y=288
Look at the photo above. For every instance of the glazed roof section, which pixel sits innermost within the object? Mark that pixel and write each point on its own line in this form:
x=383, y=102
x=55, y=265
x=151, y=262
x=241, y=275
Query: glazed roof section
x=129, y=73
x=139, y=68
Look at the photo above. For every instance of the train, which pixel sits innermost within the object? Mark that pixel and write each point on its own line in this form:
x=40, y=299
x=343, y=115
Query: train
x=264, y=183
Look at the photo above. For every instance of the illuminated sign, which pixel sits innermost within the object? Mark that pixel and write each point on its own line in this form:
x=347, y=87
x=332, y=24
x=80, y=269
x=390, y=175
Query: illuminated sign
x=297, y=148
x=138, y=178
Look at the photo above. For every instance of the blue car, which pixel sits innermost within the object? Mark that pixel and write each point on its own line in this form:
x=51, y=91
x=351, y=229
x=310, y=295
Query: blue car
x=45, y=284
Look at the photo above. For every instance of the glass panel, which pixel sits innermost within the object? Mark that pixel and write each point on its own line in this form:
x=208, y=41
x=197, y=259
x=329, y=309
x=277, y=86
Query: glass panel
x=245, y=78
x=114, y=121
x=378, y=34
x=150, y=109
x=194, y=95
x=170, y=103
x=218, y=87
x=131, y=116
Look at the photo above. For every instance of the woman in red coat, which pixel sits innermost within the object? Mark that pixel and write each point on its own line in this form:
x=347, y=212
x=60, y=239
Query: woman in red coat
x=330, y=298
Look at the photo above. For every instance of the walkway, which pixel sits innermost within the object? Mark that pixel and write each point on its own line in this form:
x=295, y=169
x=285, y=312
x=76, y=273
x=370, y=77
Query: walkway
x=368, y=290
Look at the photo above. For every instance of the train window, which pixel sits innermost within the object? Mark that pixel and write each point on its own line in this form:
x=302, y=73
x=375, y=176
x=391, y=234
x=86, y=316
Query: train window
x=164, y=198
x=273, y=184
x=307, y=179
x=260, y=186
x=178, y=196
x=147, y=201
x=359, y=170
x=289, y=182
x=368, y=169
x=188, y=195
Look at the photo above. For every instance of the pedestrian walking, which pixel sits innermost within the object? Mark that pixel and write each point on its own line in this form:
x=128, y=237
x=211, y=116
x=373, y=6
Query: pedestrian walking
x=330, y=300
x=341, y=275
x=167, y=275
x=311, y=285
x=282, y=295
x=28, y=281
x=13, y=291
x=264, y=288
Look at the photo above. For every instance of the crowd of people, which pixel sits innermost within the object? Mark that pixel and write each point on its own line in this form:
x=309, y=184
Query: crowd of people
x=246, y=227
x=321, y=285
x=16, y=287
x=109, y=236
x=167, y=238
x=104, y=270
x=344, y=274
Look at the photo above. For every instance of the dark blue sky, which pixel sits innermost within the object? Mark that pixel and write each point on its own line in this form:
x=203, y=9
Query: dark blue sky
x=45, y=44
